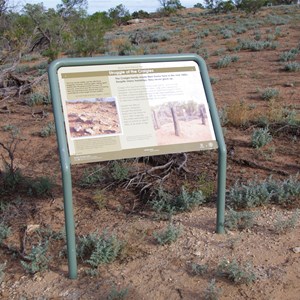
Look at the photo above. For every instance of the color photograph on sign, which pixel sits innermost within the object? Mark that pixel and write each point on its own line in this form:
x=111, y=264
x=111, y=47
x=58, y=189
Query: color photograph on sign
x=136, y=109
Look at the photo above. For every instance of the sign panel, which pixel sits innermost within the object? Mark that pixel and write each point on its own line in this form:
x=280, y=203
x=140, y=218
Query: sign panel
x=134, y=109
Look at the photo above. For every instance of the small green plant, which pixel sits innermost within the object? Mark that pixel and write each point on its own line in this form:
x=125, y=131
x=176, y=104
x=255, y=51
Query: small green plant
x=292, y=67
x=168, y=236
x=289, y=55
x=199, y=270
x=236, y=272
x=95, y=249
x=226, y=61
x=41, y=186
x=282, y=224
x=119, y=170
x=91, y=176
x=270, y=93
x=212, y=292
x=206, y=185
x=239, y=220
x=203, y=52
x=197, y=43
x=38, y=259
x=48, y=130
x=213, y=80
x=252, y=194
x=2, y=274
x=255, y=193
x=260, y=137
x=117, y=294
x=165, y=202
x=38, y=99
x=30, y=57
x=256, y=45
x=226, y=33
x=223, y=115
x=160, y=36
x=4, y=232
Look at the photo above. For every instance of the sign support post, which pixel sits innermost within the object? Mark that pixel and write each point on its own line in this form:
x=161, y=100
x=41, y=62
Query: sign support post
x=64, y=150
x=222, y=152
x=66, y=173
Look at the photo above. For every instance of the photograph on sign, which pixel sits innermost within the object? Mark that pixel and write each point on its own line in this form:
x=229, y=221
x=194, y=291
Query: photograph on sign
x=93, y=117
x=137, y=109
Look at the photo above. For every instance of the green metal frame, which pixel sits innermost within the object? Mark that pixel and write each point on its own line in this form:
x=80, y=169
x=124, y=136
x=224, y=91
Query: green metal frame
x=62, y=139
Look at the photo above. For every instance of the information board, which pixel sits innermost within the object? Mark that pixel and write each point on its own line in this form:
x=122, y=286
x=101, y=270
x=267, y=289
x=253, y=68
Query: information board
x=135, y=109
x=107, y=108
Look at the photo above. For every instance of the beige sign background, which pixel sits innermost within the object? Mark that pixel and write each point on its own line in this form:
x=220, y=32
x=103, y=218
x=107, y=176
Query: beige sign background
x=131, y=110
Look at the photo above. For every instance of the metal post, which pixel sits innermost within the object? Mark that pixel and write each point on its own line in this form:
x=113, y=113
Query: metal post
x=65, y=169
x=221, y=148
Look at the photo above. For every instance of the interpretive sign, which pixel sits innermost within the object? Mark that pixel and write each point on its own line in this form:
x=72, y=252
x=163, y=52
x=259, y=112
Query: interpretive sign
x=130, y=110
x=108, y=108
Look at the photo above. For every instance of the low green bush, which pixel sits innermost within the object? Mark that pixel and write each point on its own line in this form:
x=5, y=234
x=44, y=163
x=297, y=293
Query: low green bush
x=237, y=273
x=96, y=249
x=37, y=260
x=270, y=93
x=256, y=193
x=260, y=137
x=168, y=236
x=239, y=220
x=292, y=67
x=226, y=61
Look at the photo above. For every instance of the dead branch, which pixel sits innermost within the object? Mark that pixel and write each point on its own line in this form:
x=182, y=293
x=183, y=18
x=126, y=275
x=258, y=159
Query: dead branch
x=254, y=165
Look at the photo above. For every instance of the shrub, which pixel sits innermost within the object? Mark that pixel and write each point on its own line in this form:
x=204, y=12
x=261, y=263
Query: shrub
x=203, y=53
x=248, y=195
x=4, y=232
x=119, y=170
x=255, y=193
x=38, y=259
x=289, y=55
x=40, y=186
x=270, y=93
x=260, y=137
x=38, y=99
x=157, y=37
x=116, y=294
x=48, y=130
x=168, y=236
x=197, y=43
x=199, y=270
x=223, y=116
x=256, y=45
x=91, y=176
x=2, y=274
x=226, y=33
x=213, y=80
x=95, y=249
x=292, y=67
x=236, y=272
x=239, y=219
x=165, y=202
x=212, y=292
x=284, y=224
x=226, y=61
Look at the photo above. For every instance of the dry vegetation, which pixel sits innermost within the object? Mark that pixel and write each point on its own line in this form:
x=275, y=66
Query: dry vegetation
x=160, y=243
